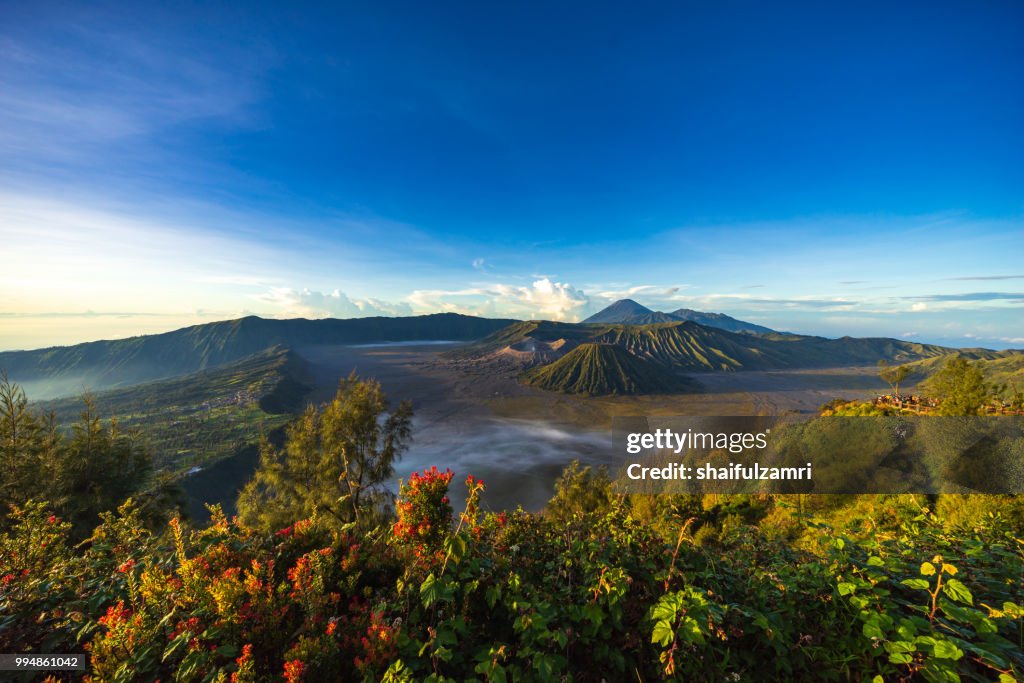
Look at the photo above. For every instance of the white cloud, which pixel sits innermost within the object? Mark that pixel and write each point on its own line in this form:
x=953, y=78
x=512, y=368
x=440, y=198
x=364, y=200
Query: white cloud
x=544, y=298
x=479, y=264
x=307, y=303
x=919, y=306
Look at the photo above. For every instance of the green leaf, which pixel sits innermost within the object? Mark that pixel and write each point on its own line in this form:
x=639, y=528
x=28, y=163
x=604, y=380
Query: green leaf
x=430, y=591
x=900, y=646
x=663, y=633
x=875, y=561
x=917, y=584
x=900, y=658
x=175, y=645
x=947, y=650
x=873, y=630
x=665, y=609
x=927, y=569
x=456, y=547
x=846, y=588
x=229, y=651
x=959, y=592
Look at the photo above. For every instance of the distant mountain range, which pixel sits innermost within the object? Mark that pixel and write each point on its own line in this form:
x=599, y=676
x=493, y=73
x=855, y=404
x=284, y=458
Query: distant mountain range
x=629, y=312
x=67, y=370
x=692, y=347
x=652, y=354
x=544, y=351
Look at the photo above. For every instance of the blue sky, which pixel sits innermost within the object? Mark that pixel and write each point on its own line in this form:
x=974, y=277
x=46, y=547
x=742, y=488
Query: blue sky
x=813, y=167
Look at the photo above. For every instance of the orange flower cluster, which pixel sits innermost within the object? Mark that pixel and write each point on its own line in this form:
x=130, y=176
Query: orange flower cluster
x=424, y=511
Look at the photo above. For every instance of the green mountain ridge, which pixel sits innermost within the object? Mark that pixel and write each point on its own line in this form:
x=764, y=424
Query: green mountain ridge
x=202, y=416
x=597, y=369
x=545, y=350
x=691, y=347
x=68, y=370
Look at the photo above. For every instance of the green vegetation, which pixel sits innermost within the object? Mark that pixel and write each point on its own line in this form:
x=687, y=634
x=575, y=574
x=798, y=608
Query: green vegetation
x=602, y=369
x=961, y=388
x=65, y=370
x=689, y=347
x=197, y=419
x=881, y=589
x=894, y=375
x=581, y=490
x=955, y=386
x=315, y=582
x=82, y=474
x=334, y=460
x=1001, y=369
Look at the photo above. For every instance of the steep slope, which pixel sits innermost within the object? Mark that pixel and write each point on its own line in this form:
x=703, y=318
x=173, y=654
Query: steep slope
x=629, y=312
x=199, y=417
x=652, y=318
x=691, y=347
x=603, y=369
x=719, y=320
x=619, y=312
x=61, y=371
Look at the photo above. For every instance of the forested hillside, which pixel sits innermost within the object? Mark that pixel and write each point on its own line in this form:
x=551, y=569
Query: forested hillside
x=67, y=370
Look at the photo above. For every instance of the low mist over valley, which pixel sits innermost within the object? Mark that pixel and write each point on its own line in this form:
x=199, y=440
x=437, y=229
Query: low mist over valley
x=513, y=401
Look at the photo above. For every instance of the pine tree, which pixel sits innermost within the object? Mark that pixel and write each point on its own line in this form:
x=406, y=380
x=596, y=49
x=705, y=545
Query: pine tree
x=961, y=388
x=334, y=460
x=92, y=471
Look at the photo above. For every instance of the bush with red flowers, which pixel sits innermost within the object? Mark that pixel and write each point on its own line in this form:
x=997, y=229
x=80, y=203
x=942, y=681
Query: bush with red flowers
x=512, y=596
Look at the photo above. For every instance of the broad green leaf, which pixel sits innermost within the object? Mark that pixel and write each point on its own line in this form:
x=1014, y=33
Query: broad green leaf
x=663, y=633
x=947, y=650
x=958, y=592
x=430, y=591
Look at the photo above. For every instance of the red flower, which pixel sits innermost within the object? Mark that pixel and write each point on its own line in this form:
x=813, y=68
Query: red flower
x=246, y=655
x=293, y=670
x=52, y=519
x=126, y=567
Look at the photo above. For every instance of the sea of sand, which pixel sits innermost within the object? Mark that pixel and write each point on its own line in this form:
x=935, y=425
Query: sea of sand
x=476, y=420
